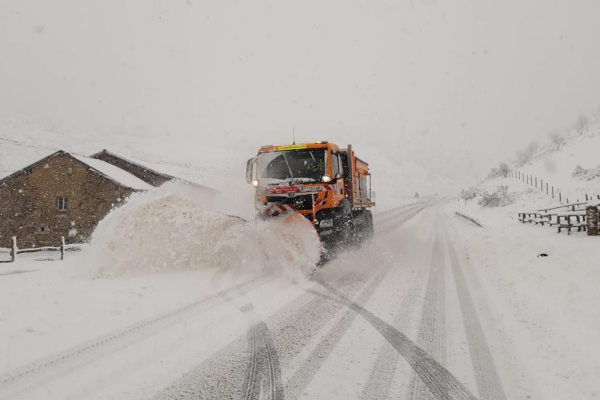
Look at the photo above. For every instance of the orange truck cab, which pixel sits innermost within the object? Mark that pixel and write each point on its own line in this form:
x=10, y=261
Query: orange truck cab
x=329, y=186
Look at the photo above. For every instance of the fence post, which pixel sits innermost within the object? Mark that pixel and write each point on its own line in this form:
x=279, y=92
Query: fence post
x=592, y=220
x=536, y=182
x=560, y=196
x=552, y=191
x=546, y=187
x=15, y=250
x=586, y=197
x=62, y=248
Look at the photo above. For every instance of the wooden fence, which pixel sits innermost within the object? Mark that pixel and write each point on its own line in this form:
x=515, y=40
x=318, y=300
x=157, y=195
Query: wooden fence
x=544, y=186
x=15, y=251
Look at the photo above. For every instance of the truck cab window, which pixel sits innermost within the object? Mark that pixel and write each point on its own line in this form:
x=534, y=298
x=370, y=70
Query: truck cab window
x=335, y=162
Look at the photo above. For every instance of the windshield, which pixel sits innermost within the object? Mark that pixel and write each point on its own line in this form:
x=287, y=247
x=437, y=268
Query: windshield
x=298, y=165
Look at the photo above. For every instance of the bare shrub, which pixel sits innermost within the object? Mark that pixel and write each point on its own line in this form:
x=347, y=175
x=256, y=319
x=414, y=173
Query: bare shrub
x=470, y=193
x=586, y=174
x=581, y=124
x=502, y=171
x=499, y=198
x=532, y=149
x=522, y=158
x=556, y=138
x=579, y=170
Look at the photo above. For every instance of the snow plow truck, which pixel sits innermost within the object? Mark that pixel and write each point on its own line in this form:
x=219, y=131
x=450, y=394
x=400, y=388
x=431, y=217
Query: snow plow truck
x=329, y=186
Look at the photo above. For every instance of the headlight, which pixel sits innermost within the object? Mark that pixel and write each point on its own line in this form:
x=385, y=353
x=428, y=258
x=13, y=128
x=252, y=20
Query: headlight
x=326, y=223
x=326, y=178
x=255, y=183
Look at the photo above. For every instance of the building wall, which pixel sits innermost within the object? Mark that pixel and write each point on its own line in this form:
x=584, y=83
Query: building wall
x=150, y=177
x=29, y=202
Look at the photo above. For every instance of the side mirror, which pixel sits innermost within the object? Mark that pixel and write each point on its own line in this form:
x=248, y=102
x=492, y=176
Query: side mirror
x=251, y=170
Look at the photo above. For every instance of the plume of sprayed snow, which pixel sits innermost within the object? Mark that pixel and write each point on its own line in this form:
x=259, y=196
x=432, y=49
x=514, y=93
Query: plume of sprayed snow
x=173, y=229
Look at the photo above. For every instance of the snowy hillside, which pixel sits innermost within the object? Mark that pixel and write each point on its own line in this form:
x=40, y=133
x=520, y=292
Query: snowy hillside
x=25, y=140
x=572, y=169
x=544, y=283
x=558, y=167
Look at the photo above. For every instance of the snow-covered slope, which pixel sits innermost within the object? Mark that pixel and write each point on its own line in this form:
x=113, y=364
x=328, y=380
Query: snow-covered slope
x=557, y=168
x=24, y=140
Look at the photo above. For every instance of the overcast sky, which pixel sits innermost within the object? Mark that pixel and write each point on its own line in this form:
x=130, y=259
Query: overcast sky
x=460, y=83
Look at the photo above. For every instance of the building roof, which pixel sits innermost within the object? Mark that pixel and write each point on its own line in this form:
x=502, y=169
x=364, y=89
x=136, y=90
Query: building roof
x=112, y=173
x=149, y=167
x=136, y=163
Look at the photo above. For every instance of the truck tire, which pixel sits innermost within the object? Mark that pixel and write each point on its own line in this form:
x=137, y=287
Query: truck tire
x=369, y=226
x=363, y=221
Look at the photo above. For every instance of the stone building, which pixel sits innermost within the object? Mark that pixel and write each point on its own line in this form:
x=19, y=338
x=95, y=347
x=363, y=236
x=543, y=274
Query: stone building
x=63, y=194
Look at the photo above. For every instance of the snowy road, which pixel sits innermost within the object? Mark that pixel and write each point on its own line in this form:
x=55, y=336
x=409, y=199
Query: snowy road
x=394, y=319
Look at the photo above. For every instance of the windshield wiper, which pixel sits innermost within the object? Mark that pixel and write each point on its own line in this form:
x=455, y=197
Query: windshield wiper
x=288, y=165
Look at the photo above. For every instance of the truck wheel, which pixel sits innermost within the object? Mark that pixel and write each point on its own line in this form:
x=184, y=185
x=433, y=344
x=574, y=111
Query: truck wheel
x=344, y=225
x=364, y=226
x=370, y=225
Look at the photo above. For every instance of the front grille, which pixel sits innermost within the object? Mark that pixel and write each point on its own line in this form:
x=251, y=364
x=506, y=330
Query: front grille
x=300, y=202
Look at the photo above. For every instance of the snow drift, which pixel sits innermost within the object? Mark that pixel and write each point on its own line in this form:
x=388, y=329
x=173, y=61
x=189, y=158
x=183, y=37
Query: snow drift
x=172, y=229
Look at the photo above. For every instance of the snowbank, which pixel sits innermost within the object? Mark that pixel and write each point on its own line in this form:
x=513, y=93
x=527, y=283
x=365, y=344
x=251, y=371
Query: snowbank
x=173, y=229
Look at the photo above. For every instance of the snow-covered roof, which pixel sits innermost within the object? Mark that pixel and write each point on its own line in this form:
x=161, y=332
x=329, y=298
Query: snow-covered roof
x=172, y=174
x=132, y=162
x=115, y=174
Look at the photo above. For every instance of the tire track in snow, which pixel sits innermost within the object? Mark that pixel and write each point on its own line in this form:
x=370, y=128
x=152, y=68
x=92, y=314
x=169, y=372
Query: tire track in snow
x=310, y=366
x=252, y=378
x=432, y=332
x=263, y=364
x=225, y=374
x=486, y=374
x=396, y=220
x=440, y=382
x=263, y=379
x=380, y=380
x=37, y=373
x=291, y=328
x=384, y=367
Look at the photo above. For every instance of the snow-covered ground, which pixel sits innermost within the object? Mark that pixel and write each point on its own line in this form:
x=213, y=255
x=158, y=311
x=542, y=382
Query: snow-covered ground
x=151, y=323
x=178, y=297
x=549, y=302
